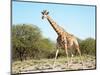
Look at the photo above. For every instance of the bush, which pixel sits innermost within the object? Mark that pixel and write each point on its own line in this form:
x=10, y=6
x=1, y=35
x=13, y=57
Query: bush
x=88, y=46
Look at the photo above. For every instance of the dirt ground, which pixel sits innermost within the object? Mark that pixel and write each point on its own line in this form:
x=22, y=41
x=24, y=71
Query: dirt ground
x=61, y=64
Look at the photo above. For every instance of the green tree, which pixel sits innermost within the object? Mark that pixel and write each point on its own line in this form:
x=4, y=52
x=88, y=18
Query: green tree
x=88, y=46
x=27, y=42
x=23, y=37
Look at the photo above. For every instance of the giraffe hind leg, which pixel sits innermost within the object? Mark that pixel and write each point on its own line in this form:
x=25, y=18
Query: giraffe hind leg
x=79, y=52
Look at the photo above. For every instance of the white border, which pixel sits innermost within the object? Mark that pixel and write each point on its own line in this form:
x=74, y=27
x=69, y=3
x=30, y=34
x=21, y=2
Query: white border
x=5, y=36
x=89, y=2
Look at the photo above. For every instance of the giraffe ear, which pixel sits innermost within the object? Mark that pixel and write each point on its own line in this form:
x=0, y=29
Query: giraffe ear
x=42, y=12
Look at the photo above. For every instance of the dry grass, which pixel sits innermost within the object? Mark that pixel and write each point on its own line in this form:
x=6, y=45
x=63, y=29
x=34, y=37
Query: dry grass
x=44, y=65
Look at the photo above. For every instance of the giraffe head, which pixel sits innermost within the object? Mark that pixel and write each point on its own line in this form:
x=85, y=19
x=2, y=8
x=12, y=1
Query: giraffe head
x=44, y=14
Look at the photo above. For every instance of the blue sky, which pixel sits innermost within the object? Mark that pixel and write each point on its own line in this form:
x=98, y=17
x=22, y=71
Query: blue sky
x=75, y=19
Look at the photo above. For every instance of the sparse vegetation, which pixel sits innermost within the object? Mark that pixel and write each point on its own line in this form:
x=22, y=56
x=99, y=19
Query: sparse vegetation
x=44, y=65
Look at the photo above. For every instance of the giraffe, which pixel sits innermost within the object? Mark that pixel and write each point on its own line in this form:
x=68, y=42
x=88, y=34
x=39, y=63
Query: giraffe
x=65, y=40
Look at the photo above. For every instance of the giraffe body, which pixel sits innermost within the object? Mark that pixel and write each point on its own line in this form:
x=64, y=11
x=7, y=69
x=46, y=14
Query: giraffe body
x=64, y=39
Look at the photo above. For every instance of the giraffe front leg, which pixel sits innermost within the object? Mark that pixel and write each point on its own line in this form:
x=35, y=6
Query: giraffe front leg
x=67, y=55
x=55, y=57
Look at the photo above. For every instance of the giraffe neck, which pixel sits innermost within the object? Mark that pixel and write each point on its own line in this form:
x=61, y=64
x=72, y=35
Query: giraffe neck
x=54, y=25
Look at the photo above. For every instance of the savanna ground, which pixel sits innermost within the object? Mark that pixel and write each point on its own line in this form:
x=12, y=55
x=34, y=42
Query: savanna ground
x=46, y=65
